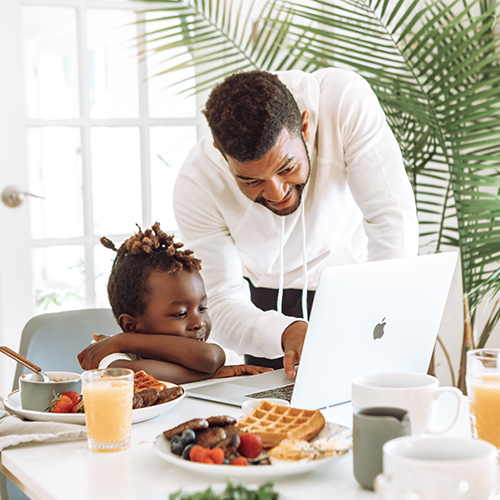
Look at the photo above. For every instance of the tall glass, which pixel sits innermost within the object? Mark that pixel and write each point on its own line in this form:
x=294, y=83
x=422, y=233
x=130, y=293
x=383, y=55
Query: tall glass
x=107, y=397
x=483, y=388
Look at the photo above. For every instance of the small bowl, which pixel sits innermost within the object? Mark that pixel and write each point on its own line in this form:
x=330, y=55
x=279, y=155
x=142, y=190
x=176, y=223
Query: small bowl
x=37, y=395
x=249, y=405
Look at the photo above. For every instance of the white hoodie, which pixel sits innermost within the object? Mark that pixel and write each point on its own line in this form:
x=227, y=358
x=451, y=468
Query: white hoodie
x=358, y=205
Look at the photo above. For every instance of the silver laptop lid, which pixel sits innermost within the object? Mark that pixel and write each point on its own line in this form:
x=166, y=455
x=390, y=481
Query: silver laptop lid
x=375, y=316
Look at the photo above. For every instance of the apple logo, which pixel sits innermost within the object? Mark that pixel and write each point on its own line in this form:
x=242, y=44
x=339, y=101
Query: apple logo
x=378, y=331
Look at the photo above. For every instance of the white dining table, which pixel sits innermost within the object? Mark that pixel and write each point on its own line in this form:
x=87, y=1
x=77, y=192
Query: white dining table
x=69, y=471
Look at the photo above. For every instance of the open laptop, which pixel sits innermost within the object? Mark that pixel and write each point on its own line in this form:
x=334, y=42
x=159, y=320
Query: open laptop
x=370, y=317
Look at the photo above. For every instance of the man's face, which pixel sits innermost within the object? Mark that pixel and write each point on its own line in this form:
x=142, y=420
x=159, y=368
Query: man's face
x=278, y=179
x=176, y=305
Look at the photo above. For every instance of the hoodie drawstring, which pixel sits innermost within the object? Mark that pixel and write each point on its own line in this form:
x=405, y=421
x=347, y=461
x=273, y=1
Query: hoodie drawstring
x=279, y=305
x=305, y=314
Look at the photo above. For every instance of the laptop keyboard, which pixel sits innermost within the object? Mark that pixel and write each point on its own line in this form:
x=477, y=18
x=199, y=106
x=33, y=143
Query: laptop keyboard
x=282, y=392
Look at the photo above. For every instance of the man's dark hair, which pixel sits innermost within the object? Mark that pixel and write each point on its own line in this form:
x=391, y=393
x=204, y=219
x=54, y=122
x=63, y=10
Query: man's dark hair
x=128, y=285
x=248, y=111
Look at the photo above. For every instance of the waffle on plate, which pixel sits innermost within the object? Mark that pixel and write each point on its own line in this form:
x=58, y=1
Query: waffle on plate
x=275, y=422
x=143, y=381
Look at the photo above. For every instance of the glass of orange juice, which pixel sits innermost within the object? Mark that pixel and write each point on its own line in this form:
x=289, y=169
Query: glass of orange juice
x=107, y=398
x=483, y=388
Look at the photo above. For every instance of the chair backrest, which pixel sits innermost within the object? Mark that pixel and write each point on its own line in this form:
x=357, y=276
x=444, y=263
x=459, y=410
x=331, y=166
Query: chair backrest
x=52, y=341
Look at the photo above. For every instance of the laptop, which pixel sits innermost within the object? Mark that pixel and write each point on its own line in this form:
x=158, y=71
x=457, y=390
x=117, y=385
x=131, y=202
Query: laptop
x=370, y=317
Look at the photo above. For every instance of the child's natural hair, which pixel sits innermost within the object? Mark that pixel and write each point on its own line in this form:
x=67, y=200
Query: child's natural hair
x=128, y=285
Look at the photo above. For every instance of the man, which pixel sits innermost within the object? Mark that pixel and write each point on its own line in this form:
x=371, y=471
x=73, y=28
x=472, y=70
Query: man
x=301, y=172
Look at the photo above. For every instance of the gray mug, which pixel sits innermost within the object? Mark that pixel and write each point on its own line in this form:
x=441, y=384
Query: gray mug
x=372, y=428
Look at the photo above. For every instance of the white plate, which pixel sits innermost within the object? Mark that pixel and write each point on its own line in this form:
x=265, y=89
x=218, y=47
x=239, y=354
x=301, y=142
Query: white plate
x=261, y=472
x=13, y=403
x=219, y=488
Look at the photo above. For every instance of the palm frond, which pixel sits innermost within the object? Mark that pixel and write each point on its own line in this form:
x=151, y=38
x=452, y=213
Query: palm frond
x=221, y=36
x=435, y=68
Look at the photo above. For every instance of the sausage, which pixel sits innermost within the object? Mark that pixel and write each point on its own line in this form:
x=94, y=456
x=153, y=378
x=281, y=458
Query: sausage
x=169, y=394
x=194, y=424
x=137, y=401
x=210, y=437
x=221, y=421
x=149, y=396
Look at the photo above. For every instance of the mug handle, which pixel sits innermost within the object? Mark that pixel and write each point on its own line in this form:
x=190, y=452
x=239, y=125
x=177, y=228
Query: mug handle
x=458, y=395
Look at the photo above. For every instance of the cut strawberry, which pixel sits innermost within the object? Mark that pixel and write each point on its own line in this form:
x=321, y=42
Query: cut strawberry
x=74, y=396
x=61, y=404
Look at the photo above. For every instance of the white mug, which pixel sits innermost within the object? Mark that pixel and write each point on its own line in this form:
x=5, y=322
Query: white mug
x=466, y=459
x=415, y=392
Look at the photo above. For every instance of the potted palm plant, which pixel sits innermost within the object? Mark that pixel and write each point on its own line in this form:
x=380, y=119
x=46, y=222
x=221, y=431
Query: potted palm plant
x=435, y=68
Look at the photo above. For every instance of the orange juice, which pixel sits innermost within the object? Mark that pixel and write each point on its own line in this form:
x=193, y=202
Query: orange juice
x=484, y=399
x=108, y=408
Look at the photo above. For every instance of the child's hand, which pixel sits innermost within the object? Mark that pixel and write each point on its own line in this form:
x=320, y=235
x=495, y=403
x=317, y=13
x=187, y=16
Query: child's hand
x=237, y=370
x=92, y=355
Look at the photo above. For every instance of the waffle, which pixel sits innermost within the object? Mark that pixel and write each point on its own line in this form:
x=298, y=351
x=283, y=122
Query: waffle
x=144, y=381
x=276, y=422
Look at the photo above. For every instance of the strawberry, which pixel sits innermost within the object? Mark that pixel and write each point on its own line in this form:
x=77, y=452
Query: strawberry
x=239, y=461
x=74, y=396
x=78, y=408
x=250, y=445
x=61, y=404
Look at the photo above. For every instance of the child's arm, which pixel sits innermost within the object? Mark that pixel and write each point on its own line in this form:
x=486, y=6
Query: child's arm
x=162, y=370
x=200, y=357
x=177, y=374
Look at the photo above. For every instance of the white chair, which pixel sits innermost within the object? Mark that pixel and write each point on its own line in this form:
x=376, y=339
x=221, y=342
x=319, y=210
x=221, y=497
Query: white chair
x=52, y=341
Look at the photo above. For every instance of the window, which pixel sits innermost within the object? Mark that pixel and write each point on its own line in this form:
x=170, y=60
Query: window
x=105, y=142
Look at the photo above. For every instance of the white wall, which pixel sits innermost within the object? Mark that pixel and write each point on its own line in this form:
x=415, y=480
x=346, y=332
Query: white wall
x=452, y=328
x=15, y=284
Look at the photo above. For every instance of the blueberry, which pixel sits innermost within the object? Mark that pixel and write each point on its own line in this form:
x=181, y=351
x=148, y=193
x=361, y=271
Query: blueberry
x=177, y=445
x=188, y=436
x=187, y=449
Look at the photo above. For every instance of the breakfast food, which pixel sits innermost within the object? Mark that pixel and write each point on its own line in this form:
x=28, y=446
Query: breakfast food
x=143, y=381
x=193, y=424
x=291, y=450
x=169, y=394
x=214, y=433
x=221, y=420
x=299, y=450
x=210, y=437
x=250, y=445
x=274, y=423
x=62, y=403
x=307, y=437
x=149, y=391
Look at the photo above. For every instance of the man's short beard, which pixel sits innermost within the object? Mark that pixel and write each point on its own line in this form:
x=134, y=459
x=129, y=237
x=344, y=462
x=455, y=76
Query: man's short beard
x=298, y=187
x=287, y=211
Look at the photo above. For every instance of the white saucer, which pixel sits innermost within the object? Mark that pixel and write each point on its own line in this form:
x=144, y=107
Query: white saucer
x=13, y=403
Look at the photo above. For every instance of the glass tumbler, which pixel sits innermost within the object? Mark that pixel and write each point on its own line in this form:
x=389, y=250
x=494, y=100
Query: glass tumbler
x=107, y=397
x=483, y=389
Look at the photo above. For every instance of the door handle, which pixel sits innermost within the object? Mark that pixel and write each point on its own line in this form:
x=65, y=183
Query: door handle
x=13, y=196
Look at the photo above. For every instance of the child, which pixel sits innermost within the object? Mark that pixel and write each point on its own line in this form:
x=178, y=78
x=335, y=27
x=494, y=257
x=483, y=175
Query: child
x=158, y=298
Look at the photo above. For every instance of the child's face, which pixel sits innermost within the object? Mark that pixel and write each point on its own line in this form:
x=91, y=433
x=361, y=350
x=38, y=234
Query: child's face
x=177, y=305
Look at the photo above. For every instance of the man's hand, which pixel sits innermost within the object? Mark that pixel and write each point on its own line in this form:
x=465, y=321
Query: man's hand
x=292, y=341
x=92, y=355
x=237, y=370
